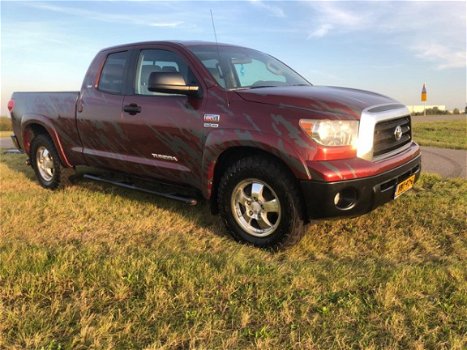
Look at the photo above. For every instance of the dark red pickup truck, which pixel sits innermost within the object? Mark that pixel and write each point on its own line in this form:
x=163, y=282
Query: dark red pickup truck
x=267, y=148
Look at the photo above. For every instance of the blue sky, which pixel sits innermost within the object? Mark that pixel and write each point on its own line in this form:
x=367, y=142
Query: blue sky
x=391, y=47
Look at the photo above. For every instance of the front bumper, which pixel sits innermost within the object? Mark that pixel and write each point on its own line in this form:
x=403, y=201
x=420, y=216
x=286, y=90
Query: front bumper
x=368, y=192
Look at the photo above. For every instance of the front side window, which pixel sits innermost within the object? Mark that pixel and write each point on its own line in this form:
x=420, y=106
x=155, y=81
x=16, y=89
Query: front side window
x=159, y=61
x=241, y=68
x=213, y=66
x=113, y=74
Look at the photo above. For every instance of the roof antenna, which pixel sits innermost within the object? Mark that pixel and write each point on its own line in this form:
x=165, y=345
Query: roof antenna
x=219, y=58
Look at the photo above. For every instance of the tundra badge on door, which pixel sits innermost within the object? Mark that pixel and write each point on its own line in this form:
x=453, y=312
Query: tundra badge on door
x=164, y=157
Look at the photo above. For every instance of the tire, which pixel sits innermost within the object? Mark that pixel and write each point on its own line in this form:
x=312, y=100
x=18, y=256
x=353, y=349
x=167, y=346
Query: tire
x=260, y=204
x=45, y=161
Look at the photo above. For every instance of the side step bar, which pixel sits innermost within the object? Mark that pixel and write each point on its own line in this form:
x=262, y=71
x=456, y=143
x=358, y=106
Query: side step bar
x=186, y=200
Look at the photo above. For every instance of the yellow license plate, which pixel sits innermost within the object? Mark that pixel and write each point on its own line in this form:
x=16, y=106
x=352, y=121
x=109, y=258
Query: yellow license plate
x=404, y=186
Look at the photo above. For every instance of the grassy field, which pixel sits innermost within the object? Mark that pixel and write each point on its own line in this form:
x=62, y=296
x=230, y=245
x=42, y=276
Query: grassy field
x=93, y=266
x=444, y=134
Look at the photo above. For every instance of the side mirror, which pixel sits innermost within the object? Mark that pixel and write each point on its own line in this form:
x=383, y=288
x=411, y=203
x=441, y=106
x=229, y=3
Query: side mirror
x=172, y=83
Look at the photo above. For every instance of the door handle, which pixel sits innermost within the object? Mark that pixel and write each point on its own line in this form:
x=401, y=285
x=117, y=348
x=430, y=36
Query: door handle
x=80, y=105
x=132, y=109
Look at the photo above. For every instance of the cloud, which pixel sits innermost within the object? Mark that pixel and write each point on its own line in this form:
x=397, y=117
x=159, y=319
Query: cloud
x=29, y=36
x=276, y=11
x=335, y=14
x=432, y=31
x=321, y=31
x=166, y=24
x=144, y=20
x=445, y=57
x=337, y=17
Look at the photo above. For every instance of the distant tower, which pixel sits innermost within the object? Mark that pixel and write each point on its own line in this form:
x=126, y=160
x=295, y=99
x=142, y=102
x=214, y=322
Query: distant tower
x=423, y=98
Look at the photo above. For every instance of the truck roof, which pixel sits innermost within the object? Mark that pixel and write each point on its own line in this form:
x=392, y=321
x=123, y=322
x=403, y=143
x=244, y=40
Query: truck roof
x=183, y=43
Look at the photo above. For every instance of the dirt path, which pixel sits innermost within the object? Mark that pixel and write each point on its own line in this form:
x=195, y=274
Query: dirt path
x=5, y=142
x=444, y=161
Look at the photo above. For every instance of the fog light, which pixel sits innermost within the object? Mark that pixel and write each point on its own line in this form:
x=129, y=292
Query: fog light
x=345, y=199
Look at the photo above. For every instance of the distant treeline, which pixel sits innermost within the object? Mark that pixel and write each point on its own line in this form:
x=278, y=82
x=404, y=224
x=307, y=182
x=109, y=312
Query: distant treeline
x=436, y=111
x=5, y=124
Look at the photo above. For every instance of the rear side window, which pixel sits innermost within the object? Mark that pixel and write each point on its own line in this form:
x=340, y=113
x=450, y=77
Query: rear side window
x=113, y=74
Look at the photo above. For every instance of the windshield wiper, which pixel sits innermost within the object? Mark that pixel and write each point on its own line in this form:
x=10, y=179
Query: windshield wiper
x=263, y=86
x=267, y=86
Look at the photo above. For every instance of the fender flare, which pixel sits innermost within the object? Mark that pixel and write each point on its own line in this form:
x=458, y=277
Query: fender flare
x=220, y=141
x=36, y=119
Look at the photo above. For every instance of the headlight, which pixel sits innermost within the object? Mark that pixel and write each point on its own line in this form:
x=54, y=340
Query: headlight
x=331, y=132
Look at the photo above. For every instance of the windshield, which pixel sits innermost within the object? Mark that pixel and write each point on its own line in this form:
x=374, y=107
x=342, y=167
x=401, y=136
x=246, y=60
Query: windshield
x=242, y=68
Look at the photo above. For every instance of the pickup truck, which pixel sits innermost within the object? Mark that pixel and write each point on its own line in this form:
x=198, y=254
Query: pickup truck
x=268, y=149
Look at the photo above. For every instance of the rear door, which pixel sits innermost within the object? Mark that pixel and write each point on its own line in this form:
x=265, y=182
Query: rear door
x=100, y=113
x=166, y=130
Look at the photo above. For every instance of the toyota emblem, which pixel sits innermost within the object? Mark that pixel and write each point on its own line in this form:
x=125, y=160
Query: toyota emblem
x=398, y=133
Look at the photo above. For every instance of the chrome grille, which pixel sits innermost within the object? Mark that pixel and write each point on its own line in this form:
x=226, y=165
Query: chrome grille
x=384, y=135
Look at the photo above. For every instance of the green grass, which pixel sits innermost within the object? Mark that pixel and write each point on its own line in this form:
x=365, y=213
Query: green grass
x=5, y=133
x=445, y=134
x=93, y=266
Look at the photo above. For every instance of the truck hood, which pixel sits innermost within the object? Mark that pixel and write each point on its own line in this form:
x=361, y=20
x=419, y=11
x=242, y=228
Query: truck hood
x=327, y=99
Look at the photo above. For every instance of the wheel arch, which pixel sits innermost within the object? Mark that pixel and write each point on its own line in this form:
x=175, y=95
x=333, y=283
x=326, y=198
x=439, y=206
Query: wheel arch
x=225, y=142
x=33, y=125
x=234, y=154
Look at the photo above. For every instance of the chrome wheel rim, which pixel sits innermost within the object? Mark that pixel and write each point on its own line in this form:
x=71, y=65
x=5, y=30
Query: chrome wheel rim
x=45, y=163
x=256, y=207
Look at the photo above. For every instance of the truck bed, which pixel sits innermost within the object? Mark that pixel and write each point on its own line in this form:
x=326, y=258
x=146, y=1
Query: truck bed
x=56, y=110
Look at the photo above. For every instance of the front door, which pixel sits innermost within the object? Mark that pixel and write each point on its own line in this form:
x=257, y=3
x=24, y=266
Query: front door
x=165, y=130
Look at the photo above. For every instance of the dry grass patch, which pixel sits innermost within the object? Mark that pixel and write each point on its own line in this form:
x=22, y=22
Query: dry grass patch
x=5, y=124
x=6, y=133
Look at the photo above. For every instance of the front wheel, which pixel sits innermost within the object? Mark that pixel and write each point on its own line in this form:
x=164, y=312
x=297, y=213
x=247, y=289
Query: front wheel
x=46, y=162
x=260, y=203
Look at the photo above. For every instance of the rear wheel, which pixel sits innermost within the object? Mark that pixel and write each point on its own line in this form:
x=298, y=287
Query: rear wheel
x=46, y=162
x=260, y=203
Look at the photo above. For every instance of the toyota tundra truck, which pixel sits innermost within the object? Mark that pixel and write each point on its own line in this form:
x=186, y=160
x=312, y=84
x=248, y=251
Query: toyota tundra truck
x=268, y=149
